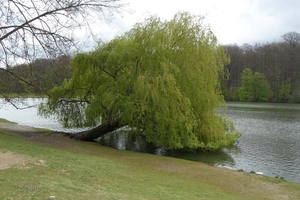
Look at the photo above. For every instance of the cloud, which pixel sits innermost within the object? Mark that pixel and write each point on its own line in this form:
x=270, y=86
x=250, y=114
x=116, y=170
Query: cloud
x=233, y=21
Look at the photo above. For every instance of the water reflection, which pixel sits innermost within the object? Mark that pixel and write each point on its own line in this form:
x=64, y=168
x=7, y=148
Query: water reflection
x=124, y=140
x=220, y=158
x=29, y=116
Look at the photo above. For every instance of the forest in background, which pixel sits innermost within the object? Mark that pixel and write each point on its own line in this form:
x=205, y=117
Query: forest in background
x=275, y=71
x=259, y=72
x=35, y=78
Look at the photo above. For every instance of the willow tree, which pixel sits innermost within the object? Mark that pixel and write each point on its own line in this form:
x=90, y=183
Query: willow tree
x=160, y=79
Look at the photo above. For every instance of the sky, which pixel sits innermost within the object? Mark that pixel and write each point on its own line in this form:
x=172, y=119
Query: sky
x=232, y=21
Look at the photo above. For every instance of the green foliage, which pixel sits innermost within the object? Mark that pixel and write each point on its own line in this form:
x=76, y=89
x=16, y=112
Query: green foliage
x=160, y=79
x=261, y=87
x=284, y=92
x=254, y=87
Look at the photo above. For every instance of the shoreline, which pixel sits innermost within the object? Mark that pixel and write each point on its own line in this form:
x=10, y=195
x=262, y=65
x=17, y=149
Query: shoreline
x=31, y=132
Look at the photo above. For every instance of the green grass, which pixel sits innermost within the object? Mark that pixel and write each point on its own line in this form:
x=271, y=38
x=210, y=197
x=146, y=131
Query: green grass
x=72, y=169
x=76, y=175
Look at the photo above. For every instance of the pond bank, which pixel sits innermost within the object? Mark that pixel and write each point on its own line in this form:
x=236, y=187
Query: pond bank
x=270, y=141
x=70, y=169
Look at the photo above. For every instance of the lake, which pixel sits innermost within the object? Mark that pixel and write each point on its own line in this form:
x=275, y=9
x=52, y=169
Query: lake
x=271, y=138
x=270, y=143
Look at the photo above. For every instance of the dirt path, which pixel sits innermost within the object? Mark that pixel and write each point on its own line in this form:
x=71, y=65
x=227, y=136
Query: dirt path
x=8, y=159
x=16, y=127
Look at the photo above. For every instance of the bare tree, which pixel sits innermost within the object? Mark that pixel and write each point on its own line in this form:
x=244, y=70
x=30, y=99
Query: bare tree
x=292, y=49
x=292, y=39
x=31, y=29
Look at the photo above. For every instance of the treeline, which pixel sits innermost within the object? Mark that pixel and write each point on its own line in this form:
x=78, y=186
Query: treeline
x=259, y=72
x=275, y=65
x=36, y=77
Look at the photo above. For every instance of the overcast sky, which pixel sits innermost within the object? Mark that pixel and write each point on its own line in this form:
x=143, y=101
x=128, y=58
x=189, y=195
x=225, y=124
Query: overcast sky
x=232, y=21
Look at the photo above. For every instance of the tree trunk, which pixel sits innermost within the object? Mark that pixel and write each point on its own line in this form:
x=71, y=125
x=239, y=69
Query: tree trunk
x=96, y=132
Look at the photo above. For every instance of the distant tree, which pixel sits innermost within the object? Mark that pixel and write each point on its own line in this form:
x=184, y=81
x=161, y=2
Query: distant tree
x=278, y=61
x=292, y=65
x=234, y=70
x=292, y=39
x=284, y=92
x=160, y=79
x=261, y=87
x=244, y=93
x=254, y=87
x=43, y=74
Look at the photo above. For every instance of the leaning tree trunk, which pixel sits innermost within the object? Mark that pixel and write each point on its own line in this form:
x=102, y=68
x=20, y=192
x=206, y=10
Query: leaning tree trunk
x=96, y=132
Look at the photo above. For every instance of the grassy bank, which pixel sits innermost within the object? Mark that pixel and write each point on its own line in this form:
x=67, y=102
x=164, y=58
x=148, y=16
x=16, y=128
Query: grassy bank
x=68, y=169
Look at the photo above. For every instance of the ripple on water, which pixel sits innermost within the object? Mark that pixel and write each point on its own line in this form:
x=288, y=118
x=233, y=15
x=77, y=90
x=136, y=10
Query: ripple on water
x=271, y=138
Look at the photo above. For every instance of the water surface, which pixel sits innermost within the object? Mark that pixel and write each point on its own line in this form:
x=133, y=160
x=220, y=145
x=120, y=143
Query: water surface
x=271, y=138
